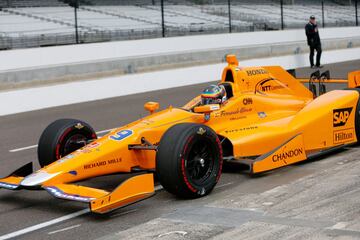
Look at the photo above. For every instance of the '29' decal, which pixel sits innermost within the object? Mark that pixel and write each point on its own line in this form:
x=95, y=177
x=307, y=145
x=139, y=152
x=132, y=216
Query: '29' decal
x=121, y=135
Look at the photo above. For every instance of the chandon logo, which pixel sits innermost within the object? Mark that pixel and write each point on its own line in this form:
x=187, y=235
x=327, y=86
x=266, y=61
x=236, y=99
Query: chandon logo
x=289, y=154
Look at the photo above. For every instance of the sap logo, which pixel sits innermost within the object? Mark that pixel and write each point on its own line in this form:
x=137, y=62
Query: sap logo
x=121, y=135
x=247, y=101
x=340, y=116
x=289, y=154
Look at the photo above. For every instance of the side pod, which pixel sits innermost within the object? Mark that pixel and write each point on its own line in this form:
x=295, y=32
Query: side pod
x=290, y=152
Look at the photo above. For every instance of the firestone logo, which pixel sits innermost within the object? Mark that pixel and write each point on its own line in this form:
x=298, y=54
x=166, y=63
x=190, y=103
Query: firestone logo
x=288, y=154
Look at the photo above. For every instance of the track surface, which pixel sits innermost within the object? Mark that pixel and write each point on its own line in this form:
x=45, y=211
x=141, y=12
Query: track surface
x=19, y=210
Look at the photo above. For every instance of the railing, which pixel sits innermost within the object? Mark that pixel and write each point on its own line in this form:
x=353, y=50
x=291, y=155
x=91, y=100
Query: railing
x=33, y=23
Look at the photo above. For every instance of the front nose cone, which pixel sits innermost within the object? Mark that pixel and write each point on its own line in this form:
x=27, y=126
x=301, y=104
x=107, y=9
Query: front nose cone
x=36, y=179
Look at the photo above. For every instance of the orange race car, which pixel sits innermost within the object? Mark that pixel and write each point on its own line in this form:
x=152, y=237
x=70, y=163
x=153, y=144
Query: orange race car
x=262, y=117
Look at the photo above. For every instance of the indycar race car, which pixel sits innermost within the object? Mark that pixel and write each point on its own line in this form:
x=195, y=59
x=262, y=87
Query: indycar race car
x=269, y=120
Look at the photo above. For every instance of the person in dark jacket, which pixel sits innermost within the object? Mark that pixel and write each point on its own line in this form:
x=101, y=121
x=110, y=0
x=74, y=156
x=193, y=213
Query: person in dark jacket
x=313, y=40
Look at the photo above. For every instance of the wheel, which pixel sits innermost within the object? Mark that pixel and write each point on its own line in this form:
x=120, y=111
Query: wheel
x=61, y=138
x=189, y=160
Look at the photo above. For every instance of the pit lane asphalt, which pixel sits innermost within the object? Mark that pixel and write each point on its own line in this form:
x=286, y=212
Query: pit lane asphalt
x=22, y=209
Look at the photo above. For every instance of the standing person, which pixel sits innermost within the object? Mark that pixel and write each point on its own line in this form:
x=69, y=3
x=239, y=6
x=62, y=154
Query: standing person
x=313, y=40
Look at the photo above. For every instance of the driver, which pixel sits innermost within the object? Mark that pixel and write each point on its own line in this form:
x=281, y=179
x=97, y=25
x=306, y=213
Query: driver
x=214, y=94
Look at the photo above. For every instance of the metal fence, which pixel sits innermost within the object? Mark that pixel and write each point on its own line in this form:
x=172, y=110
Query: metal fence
x=33, y=23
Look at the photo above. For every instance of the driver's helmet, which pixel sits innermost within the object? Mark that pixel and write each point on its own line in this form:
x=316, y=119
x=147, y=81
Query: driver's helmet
x=214, y=94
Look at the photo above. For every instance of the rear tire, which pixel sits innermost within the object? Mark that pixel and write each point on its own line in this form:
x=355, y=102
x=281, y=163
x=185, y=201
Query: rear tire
x=61, y=138
x=189, y=160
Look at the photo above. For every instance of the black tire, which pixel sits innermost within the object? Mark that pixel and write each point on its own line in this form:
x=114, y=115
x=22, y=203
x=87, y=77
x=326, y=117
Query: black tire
x=61, y=138
x=357, y=115
x=189, y=160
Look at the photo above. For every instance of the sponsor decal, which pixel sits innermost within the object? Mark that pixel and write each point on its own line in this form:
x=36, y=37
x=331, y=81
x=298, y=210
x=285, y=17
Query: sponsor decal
x=73, y=173
x=287, y=154
x=93, y=165
x=207, y=117
x=60, y=194
x=121, y=135
x=237, y=111
x=268, y=85
x=8, y=185
x=102, y=163
x=201, y=131
x=93, y=145
x=241, y=129
x=345, y=135
x=237, y=118
x=79, y=126
x=147, y=121
x=261, y=114
x=247, y=101
x=256, y=72
x=64, y=159
x=268, y=88
x=214, y=107
x=115, y=160
x=89, y=148
x=84, y=150
x=340, y=116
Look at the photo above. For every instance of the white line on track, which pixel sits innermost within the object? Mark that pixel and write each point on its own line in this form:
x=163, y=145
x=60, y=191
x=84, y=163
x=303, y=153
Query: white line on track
x=64, y=229
x=52, y=222
x=104, y=131
x=44, y=224
x=23, y=148
x=35, y=146
x=223, y=185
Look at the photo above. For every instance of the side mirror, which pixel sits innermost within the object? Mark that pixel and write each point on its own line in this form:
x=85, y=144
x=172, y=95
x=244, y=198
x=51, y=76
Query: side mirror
x=151, y=106
x=207, y=108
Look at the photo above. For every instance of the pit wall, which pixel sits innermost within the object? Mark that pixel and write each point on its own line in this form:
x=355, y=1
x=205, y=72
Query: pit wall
x=29, y=67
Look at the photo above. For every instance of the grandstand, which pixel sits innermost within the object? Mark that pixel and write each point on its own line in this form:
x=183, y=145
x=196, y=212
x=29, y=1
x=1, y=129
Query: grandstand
x=26, y=23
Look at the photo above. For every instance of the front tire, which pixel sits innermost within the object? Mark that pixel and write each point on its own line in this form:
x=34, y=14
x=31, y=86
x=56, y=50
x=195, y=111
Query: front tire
x=189, y=160
x=61, y=138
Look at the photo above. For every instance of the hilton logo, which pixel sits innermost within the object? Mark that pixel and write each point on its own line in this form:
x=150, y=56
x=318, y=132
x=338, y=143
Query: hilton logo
x=344, y=136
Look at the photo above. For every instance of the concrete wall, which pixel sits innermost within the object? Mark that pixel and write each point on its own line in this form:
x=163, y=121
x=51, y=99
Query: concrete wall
x=67, y=63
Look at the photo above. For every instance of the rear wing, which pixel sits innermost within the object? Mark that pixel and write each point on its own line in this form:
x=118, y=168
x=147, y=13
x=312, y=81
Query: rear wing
x=353, y=80
x=320, y=79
